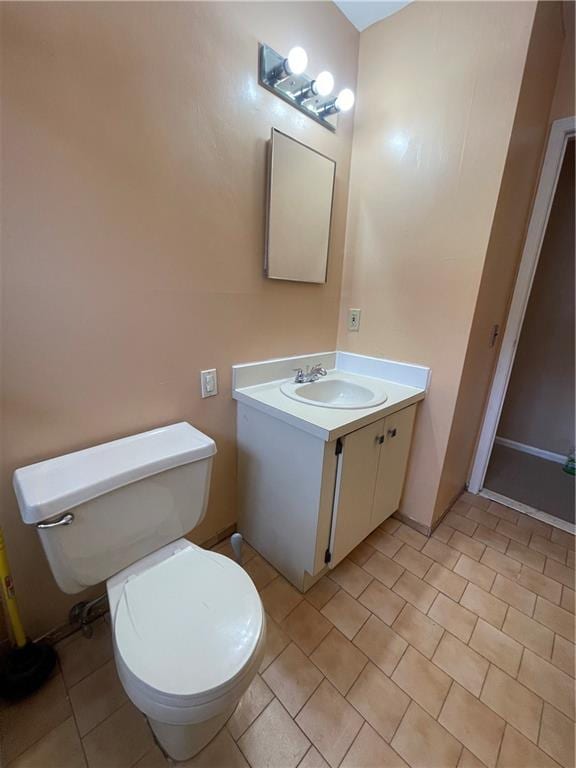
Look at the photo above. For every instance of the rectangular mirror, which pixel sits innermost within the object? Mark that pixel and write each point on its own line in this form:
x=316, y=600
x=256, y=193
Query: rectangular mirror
x=300, y=192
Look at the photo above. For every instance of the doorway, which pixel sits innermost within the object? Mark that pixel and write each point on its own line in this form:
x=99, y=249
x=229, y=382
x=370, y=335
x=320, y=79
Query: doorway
x=526, y=448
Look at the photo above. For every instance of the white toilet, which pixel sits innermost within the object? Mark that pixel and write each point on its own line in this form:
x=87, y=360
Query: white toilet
x=188, y=624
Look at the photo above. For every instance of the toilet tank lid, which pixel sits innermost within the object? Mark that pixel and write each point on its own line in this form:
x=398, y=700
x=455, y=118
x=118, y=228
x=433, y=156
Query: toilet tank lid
x=56, y=485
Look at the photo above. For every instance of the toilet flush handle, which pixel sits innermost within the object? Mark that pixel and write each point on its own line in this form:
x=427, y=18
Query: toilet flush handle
x=62, y=520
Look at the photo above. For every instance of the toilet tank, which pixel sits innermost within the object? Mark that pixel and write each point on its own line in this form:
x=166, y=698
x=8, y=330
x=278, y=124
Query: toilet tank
x=99, y=510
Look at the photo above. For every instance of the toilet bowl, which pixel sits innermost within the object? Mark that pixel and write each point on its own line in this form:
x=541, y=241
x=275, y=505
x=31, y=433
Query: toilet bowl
x=188, y=634
x=188, y=624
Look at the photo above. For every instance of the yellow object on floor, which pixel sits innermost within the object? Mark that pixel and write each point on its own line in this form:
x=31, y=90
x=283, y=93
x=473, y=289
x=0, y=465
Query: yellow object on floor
x=10, y=596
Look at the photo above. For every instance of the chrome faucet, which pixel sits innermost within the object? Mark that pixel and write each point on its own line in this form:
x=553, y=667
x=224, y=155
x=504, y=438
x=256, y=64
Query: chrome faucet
x=311, y=374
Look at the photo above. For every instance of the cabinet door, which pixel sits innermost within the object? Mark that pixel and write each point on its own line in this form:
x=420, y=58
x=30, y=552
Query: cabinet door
x=355, y=481
x=397, y=432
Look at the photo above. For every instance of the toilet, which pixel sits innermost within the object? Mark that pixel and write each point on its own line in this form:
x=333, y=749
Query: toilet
x=188, y=624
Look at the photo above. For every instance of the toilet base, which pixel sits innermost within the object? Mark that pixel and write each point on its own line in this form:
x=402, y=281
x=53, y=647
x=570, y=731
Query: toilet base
x=181, y=742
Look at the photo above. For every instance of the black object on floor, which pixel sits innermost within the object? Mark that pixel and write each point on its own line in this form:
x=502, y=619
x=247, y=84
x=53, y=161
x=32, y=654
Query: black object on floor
x=24, y=670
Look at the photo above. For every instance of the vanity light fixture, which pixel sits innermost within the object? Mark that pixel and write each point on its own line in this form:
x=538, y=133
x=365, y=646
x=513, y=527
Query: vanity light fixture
x=286, y=77
x=342, y=103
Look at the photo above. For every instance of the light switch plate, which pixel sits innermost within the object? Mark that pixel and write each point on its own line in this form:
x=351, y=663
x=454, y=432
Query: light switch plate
x=209, y=382
x=354, y=319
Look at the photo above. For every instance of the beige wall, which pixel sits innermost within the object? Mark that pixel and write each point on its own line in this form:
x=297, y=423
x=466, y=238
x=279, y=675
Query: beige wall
x=133, y=139
x=539, y=405
x=544, y=73
x=527, y=144
x=438, y=87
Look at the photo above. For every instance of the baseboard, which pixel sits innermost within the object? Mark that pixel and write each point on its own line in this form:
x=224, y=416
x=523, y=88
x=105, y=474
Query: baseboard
x=425, y=530
x=531, y=449
x=544, y=517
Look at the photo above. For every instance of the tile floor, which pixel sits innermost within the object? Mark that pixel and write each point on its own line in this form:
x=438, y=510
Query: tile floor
x=451, y=651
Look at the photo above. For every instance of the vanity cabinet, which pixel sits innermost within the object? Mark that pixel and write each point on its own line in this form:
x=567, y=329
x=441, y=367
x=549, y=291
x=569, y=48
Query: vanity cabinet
x=305, y=503
x=369, y=480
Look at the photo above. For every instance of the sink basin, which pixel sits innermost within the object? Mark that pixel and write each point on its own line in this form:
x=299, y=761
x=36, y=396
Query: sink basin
x=336, y=392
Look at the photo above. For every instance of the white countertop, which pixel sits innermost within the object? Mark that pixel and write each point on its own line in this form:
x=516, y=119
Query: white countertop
x=330, y=423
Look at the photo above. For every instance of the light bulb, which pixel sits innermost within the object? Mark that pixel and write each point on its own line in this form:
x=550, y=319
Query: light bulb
x=297, y=61
x=345, y=100
x=323, y=84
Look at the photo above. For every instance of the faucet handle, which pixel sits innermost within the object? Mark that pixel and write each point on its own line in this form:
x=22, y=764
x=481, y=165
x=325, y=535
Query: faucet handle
x=299, y=379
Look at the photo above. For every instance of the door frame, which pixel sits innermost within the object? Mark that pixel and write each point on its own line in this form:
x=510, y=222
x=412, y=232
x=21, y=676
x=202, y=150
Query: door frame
x=560, y=132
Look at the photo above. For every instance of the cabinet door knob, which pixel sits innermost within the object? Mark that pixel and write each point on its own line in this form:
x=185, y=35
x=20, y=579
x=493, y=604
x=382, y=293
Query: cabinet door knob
x=392, y=432
x=380, y=439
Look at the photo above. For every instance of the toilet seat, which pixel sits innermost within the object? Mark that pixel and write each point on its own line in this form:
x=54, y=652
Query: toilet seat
x=188, y=626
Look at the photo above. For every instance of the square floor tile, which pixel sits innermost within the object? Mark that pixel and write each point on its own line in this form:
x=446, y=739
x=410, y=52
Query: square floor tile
x=461, y=522
x=339, y=660
x=260, y=571
x=548, y=682
x=563, y=655
x=514, y=594
x=526, y=555
x=530, y=633
x=557, y=736
x=321, y=592
x=418, y=630
x=382, y=601
x=441, y=553
x=350, y=577
x=410, y=536
x=423, y=743
x=293, y=678
x=384, y=543
x=540, y=584
x=548, y=548
x=555, y=618
x=559, y=572
x=119, y=741
x=513, y=532
x=379, y=700
x=330, y=723
x=381, y=644
x=471, y=547
x=384, y=569
x=306, y=626
x=26, y=721
x=513, y=702
x=475, y=572
x=519, y=752
x=453, y=617
x=501, y=563
x=497, y=647
x=483, y=517
x=422, y=681
x=369, y=750
x=345, y=613
x=79, y=655
x=414, y=561
x=415, y=591
x=363, y=552
x=462, y=663
x=97, y=696
x=568, y=601
x=446, y=581
x=486, y=606
x=251, y=705
x=491, y=538
x=473, y=724
x=313, y=759
x=60, y=748
x=220, y=752
x=276, y=641
x=273, y=740
x=279, y=598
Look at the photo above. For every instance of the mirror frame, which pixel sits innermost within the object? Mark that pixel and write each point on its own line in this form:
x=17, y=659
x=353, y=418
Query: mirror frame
x=269, y=182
